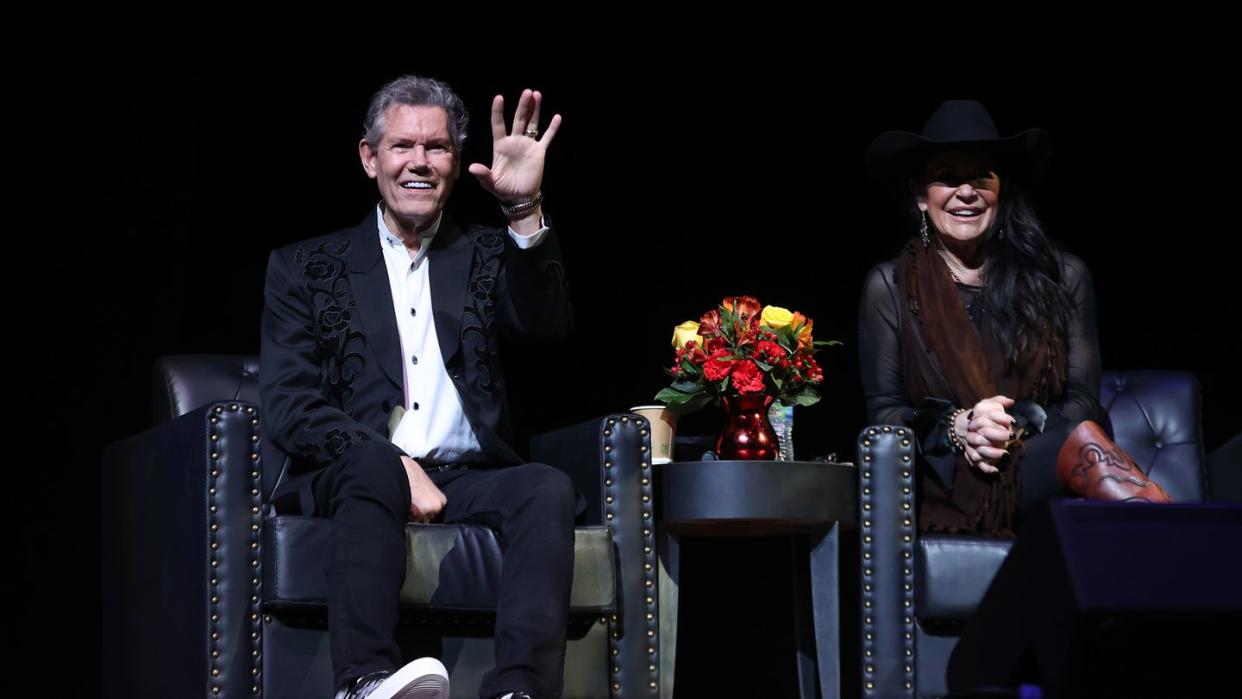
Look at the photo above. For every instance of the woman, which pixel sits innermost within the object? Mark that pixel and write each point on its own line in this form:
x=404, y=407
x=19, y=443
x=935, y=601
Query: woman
x=981, y=335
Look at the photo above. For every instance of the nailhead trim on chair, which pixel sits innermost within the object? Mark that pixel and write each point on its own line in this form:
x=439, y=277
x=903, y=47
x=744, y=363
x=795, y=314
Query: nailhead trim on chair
x=213, y=491
x=905, y=512
x=612, y=493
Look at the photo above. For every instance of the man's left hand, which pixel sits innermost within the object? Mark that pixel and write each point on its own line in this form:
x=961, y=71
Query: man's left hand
x=518, y=153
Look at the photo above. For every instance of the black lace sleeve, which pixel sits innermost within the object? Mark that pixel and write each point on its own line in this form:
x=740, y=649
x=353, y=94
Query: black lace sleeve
x=879, y=348
x=1082, y=393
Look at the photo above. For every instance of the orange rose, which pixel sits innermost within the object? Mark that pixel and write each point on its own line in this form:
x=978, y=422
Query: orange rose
x=804, y=330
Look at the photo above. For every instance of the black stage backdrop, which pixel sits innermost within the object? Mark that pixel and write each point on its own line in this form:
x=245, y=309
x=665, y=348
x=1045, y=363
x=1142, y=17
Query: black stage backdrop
x=681, y=174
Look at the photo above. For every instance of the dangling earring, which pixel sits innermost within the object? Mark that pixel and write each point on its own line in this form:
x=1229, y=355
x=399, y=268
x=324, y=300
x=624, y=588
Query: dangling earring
x=923, y=236
x=1000, y=233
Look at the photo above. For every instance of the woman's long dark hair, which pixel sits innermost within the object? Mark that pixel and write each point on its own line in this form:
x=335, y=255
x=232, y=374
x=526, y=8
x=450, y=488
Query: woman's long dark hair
x=1022, y=280
x=1022, y=286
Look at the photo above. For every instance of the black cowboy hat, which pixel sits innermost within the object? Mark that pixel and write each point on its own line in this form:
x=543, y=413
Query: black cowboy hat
x=957, y=125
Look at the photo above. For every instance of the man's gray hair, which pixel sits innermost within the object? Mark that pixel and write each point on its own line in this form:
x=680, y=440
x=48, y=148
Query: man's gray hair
x=417, y=91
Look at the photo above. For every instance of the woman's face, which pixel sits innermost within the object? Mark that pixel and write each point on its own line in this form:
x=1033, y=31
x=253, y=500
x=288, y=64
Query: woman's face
x=959, y=192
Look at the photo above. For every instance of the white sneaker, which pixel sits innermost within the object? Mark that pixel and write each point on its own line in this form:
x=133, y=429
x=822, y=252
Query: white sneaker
x=425, y=678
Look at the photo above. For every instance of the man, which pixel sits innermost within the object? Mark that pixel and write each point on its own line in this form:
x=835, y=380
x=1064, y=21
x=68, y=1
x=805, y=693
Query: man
x=380, y=377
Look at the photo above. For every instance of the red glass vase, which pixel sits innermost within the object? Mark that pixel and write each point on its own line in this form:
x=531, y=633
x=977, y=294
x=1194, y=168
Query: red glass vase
x=747, y=433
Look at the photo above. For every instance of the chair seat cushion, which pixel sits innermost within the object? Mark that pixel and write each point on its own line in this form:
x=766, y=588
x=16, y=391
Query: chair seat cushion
x=451, y=568
x=953, y=571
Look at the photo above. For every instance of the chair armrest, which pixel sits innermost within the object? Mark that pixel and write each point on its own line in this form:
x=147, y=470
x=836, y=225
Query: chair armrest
x=608, y=460
x=180, y=542
x=887, y=510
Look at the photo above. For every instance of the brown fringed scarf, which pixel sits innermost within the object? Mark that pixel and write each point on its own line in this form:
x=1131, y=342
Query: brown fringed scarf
x=943, y=357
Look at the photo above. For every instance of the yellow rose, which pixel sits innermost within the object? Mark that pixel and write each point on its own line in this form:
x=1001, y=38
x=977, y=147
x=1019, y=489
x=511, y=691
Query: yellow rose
x=776, y=317
x=687, y=332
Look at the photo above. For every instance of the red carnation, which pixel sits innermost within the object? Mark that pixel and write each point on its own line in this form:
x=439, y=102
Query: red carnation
x=718, y=365
x=747, y=378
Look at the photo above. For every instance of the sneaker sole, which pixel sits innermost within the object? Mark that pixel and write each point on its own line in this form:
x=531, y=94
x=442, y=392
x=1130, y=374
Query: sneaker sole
x=425, y=687
x=424, y=678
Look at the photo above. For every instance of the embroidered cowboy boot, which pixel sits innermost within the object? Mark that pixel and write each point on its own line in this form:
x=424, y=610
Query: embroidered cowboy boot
x=1092, y=466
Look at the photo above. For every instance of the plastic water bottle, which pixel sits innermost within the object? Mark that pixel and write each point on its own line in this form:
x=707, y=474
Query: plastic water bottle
x=781, y=417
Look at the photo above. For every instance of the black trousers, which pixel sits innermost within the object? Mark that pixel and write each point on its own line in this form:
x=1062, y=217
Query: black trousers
x=531, y=507
x=1039, y=461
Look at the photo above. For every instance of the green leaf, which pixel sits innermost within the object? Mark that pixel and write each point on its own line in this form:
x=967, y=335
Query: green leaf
x=828, y=343
x=683, y=403
x=761, y=364
x=727, y=319
x=672, y=396
x=691, y=387
x=808, y=396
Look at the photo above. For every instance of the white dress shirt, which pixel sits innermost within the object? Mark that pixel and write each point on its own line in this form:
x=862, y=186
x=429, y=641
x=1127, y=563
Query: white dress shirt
x=434, y=427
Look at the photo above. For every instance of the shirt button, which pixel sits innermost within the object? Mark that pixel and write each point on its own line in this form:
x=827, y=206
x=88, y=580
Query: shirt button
x=413, y=311
x=414, y=359
x=415, y=405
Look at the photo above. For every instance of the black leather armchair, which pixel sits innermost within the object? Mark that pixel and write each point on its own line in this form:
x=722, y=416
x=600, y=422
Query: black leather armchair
x=917, y=591
x=209, y=591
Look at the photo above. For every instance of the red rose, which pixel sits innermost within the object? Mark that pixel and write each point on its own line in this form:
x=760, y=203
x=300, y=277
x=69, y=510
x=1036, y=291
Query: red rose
x=747, y=378
x=714, y=345
x=718, y=365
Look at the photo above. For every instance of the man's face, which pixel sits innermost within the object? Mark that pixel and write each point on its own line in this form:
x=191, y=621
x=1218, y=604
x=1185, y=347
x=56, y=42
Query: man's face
x=414, y=164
